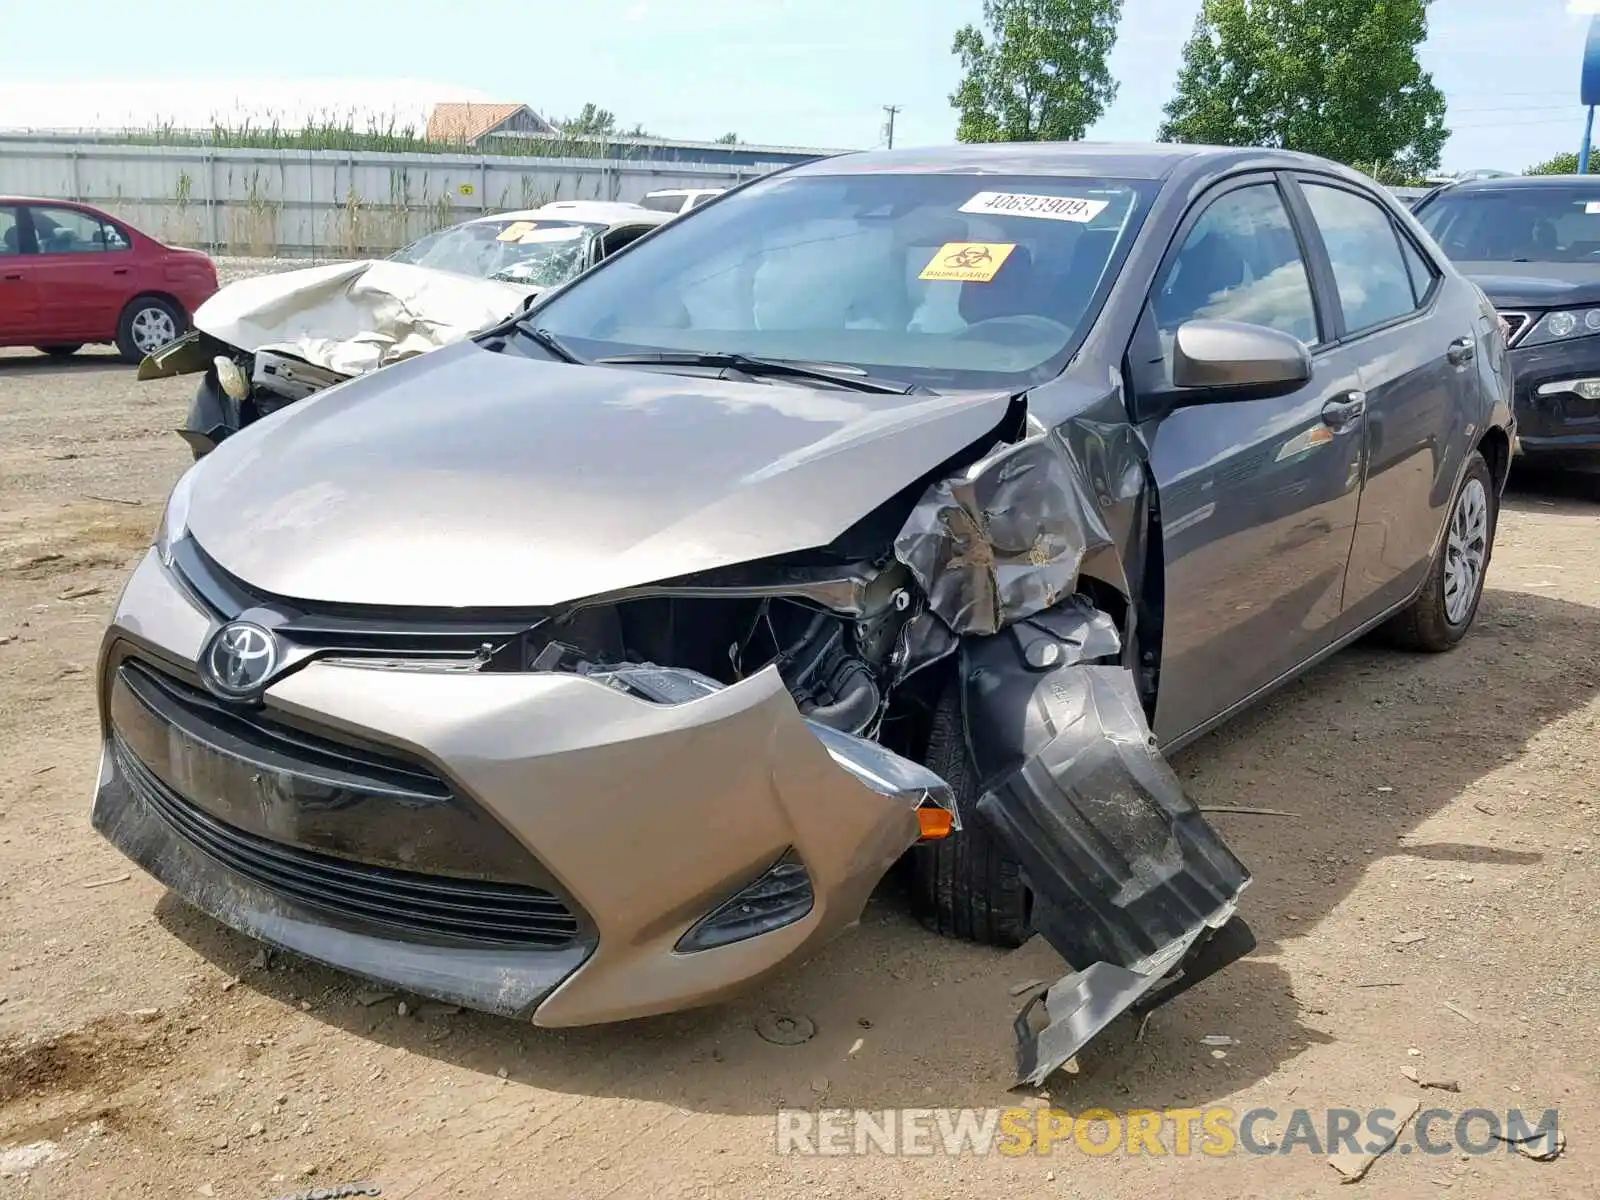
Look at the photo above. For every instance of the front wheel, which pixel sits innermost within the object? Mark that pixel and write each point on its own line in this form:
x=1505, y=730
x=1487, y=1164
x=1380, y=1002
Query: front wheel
x=1443, y=611
x=966, y=885
x=146, y=325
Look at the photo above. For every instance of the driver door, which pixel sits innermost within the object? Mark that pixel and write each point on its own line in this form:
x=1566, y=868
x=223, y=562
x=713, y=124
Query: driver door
x=1257, y=497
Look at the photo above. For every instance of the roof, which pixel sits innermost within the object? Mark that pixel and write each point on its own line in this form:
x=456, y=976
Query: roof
x=1523, y=183
x=595, y=212
x=455, y=122
x=1115, y=160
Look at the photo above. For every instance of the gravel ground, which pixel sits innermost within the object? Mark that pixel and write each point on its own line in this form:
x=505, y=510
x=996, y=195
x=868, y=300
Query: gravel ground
x=1431, y=905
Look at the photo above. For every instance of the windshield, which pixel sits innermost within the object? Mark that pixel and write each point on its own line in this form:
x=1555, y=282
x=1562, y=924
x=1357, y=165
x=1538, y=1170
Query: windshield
x=938, y=280
x=1553, y=224
x=537, y=253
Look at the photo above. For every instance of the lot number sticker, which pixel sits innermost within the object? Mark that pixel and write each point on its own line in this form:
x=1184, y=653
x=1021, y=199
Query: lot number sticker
x=968, y=262
x=515, y=231
x=1048, y=208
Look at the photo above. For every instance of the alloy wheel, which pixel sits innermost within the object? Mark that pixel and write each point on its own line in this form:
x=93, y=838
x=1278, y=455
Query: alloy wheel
x=1466, y=552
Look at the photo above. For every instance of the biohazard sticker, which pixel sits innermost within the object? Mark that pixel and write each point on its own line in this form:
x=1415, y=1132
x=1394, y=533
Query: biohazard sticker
x=514, y=231
x=968, y=262
x=1048, y=208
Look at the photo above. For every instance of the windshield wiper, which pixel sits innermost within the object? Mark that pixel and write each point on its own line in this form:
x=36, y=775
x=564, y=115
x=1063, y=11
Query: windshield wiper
x=852, y=378
x=549, y=341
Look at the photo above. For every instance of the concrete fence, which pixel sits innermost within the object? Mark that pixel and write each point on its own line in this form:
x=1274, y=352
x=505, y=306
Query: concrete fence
x=318, y=203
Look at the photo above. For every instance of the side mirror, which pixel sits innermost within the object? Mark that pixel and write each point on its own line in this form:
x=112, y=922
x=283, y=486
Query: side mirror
x=1214, y=361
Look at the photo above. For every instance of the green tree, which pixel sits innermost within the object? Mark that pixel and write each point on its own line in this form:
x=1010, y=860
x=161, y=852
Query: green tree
x=1041, y=73
x=728, y=139
x=1339, y=78
x=1561, y=164
x=592, y=121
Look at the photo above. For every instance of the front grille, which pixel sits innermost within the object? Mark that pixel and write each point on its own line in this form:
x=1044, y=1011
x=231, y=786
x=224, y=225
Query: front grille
x=252, y=734
x=417, y=906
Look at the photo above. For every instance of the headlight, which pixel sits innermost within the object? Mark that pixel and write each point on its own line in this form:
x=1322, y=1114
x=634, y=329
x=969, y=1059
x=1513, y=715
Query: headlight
x=1563, y=324
x=175, y=520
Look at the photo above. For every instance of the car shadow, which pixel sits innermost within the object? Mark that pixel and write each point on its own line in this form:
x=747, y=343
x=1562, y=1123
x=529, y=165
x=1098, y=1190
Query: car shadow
x=1531, y=489
x=26, y=364
x=904, y=1019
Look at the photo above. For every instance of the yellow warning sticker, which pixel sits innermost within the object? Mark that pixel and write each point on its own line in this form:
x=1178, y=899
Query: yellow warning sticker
x=514, y=231
x=968, y=262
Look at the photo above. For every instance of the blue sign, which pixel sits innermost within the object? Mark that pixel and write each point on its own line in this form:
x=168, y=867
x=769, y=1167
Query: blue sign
x=1590, y=92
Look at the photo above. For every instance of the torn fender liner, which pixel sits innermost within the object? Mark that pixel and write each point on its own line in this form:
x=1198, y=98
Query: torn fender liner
x=1130, y=882
x=1004, y=538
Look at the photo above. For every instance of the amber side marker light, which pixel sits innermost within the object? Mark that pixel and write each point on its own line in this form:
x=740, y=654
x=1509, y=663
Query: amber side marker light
x=935, y=822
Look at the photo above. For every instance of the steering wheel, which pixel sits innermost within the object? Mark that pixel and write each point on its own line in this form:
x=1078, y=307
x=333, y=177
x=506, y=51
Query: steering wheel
x=1031, y=326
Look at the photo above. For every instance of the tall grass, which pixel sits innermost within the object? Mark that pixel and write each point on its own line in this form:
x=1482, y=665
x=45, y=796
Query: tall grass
x=353, y=131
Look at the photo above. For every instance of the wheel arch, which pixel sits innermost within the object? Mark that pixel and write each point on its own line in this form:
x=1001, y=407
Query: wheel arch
x=156, y=294
x=1495, y=446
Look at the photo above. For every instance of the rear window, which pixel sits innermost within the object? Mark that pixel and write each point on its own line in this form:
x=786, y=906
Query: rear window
x=663, y=203
x=1557, y=224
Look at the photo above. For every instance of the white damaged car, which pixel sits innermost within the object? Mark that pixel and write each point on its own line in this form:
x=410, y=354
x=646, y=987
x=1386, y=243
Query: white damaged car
x=265, y=342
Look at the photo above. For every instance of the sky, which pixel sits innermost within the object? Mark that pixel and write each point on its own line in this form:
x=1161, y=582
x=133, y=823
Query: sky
x=778, y=72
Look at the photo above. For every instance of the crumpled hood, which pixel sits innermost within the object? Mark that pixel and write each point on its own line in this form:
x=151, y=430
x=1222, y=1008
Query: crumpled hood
x=354, y=317
x=479, y=479
x=1535, y=285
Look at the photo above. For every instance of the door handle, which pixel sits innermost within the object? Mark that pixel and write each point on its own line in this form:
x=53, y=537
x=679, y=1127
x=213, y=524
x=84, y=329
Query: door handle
x=13, y=278
x=1344, y=410
x=119, y=270
x=1460, y=352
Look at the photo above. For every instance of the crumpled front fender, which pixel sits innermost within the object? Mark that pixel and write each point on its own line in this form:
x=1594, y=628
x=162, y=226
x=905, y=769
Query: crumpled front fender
x=1130, y=882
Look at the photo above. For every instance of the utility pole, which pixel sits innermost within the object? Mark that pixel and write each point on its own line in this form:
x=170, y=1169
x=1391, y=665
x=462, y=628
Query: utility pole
x=888, y=129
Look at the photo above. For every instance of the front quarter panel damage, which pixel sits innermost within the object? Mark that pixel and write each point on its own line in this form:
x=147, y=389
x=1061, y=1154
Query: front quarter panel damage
x=1129, y=880
x=1131, y=885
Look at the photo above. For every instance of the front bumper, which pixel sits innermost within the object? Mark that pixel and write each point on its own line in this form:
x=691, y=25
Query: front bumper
x=534, y=845
x=1553, y=423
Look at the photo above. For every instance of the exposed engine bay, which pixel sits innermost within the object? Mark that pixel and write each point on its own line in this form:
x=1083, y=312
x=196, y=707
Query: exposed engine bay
x=838, y=668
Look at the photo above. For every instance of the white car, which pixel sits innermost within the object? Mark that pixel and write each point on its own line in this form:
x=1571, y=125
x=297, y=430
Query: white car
x=268, y=341
x=679, y=200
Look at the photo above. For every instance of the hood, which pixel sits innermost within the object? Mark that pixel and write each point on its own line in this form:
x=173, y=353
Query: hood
x=1535, y=285
x=354, y=317
x=468, y=478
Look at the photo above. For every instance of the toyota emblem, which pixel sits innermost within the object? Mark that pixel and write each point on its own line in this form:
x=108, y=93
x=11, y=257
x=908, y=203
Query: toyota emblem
x=240, y=659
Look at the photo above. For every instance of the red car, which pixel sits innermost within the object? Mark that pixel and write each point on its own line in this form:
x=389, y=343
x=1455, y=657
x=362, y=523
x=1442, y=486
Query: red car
x=71, y=274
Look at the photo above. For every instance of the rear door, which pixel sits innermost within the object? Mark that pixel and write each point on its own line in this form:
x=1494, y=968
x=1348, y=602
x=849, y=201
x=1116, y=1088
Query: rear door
x=1416, y=346
x=85, y=272
x=19, y=303
x=1258, y=498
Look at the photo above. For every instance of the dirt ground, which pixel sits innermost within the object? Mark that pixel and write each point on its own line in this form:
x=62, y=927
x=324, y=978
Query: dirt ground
x=1454, y=797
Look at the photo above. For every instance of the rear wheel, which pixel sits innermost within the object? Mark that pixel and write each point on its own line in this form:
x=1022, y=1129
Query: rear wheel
x=965, y=885
x=62, y=351
x=1443, y=611
x=147, y=324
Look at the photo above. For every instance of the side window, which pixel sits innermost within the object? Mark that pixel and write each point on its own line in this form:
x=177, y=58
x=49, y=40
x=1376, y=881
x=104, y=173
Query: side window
x=1368, y=267
x=1423, y=273
x=10, y=232
x=69, y=231
x=1240, y=262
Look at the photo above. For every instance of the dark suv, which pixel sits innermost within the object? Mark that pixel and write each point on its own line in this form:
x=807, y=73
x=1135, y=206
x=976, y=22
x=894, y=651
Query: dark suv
x=1532, y=244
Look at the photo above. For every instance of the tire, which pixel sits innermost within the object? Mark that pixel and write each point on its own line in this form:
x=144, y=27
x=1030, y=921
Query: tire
x=145, y=319
x=1436, y=620
x=64, y=351
x=966, y=886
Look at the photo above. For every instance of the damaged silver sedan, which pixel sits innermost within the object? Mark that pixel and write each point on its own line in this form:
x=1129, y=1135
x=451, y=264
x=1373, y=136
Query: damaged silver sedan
x=901, y=505
x=267, y=341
